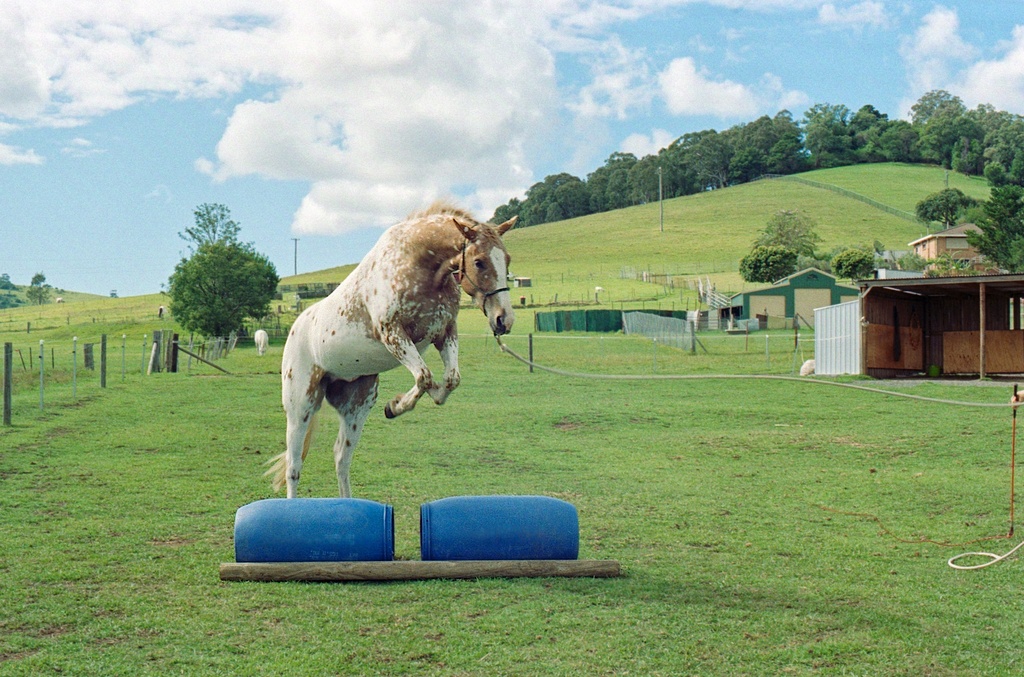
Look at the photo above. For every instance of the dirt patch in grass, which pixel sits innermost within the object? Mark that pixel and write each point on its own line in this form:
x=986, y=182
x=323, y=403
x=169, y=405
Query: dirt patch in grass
x=568, y=424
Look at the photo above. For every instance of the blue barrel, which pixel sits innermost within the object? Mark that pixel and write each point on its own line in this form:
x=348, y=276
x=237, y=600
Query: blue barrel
x=499, y=528
x=314, y=530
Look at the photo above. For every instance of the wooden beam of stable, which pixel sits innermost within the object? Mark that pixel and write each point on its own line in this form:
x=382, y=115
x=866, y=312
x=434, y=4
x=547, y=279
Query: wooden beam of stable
x=415, y=570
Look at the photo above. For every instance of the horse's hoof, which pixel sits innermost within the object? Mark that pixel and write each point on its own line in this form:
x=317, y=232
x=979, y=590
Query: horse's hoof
x=388, y=412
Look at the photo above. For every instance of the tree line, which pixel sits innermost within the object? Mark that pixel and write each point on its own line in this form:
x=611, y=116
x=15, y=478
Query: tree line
x=942, y=131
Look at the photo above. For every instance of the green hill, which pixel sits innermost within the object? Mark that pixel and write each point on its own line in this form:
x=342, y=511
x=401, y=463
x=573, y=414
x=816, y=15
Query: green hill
x=707, y=234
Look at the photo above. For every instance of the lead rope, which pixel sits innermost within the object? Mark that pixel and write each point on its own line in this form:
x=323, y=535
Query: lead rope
x=993, y=558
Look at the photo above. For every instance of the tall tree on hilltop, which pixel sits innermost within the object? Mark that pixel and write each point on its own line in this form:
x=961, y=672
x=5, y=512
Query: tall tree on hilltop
x=38, y=291
x=826, y=135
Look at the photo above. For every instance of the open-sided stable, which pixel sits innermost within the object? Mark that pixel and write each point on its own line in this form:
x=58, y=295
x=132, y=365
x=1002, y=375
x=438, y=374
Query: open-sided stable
x=950, y=325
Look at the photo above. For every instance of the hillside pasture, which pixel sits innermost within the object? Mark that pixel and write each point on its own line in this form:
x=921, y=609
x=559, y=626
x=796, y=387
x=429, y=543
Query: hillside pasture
x=900, y=185
x=712, y=495
x=707, y=234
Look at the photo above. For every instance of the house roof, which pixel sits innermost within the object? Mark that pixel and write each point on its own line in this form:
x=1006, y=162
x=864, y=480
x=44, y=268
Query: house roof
x=955, y=231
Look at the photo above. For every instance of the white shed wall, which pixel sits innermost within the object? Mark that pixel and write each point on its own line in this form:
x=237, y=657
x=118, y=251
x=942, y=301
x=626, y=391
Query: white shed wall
x=837, y=343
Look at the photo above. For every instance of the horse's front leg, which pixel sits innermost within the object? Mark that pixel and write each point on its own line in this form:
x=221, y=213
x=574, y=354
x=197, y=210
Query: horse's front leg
x=404, y=350
x=448, y=347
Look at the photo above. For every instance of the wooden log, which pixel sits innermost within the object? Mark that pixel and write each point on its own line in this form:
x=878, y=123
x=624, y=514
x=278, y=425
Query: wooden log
x=415, y=570
x=191, y=354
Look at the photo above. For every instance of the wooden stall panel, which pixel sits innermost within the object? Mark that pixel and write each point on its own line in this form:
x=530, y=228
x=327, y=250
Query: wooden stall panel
x=881, y=348
x=1004, y=352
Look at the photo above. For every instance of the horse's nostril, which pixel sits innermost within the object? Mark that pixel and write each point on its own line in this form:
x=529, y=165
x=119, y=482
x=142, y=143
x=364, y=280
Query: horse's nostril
x=500, y=323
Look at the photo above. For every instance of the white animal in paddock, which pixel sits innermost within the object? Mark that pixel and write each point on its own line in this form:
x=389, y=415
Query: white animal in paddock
x=807, y=368
x=262, y=340
x=60, y=299
x=402, y=298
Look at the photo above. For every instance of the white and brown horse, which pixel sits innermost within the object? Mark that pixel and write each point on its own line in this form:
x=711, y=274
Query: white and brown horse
x=402, y=298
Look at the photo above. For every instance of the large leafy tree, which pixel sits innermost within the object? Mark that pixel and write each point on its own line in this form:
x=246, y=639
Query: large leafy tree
x=38, y=291
x=709, y=153
x=941, y=118
x=1001, y=236
x=224, y=281
x=827, y=135
x=768, y=264
x=946, y=206
x=790, y=229
x=855, y=264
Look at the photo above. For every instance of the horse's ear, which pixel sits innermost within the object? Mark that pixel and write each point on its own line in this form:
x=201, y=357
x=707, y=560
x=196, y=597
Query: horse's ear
x=507, y=226
x=468, y=230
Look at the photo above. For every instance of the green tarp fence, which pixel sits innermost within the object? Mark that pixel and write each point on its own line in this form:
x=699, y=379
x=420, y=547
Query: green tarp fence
x=589, y=320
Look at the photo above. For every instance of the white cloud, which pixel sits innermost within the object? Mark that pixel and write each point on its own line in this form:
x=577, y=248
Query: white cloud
x=79, y=147
x=23, y=82
x=620, y=83
x=160, y=193
x=867, y=13
x=376, y=104
x=999, y=82
x=931, y=53
x=690, y=91
x=641, y=145
x=9, y=155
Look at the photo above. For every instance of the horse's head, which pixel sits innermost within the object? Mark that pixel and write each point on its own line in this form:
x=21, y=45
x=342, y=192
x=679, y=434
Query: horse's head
x=483, y=271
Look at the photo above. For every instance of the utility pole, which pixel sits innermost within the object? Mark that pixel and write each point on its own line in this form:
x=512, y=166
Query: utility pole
x=296, y=262
x=661, y=203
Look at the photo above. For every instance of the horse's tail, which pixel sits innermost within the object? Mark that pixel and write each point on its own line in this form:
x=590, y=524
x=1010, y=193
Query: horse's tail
x=279, y=464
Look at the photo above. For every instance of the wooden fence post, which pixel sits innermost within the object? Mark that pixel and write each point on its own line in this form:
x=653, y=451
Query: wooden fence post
x=154, y=355
x=8, y=379
x=172, y=365
x=103, y=361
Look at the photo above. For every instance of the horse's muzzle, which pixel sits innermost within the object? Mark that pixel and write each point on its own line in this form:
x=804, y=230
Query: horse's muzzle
x=502, y=325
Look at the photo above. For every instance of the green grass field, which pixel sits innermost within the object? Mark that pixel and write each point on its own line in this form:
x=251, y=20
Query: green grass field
x=119, y=508
x=743, y=511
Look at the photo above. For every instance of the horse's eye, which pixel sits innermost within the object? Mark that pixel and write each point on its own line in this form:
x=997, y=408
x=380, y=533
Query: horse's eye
x=480, y=265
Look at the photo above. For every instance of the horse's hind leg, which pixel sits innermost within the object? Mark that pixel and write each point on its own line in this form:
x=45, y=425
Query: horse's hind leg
x=353, y=401
x=302, y=393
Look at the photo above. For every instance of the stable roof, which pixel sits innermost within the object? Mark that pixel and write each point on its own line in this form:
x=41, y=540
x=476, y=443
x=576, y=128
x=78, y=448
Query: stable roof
x=1011, y=285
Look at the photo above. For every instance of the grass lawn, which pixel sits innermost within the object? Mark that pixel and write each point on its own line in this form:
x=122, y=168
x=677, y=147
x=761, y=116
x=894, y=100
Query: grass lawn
x=118, y=509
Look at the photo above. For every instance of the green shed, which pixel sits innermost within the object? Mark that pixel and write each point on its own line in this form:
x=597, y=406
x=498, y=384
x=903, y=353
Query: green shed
x=798, y=294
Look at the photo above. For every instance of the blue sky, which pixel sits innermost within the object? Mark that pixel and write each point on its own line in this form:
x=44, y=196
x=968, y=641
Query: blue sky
x=328, y=120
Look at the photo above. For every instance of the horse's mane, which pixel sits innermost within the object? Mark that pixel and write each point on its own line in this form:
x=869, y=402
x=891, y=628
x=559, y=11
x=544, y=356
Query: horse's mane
x=443, y=207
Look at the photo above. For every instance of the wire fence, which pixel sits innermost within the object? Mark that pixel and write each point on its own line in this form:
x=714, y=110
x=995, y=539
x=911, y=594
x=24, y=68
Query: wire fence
x=39, y=374
x=764, y=352
x=907, y=216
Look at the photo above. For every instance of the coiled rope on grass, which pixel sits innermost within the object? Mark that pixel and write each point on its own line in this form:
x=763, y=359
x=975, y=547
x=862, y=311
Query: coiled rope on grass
x=992, y=557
